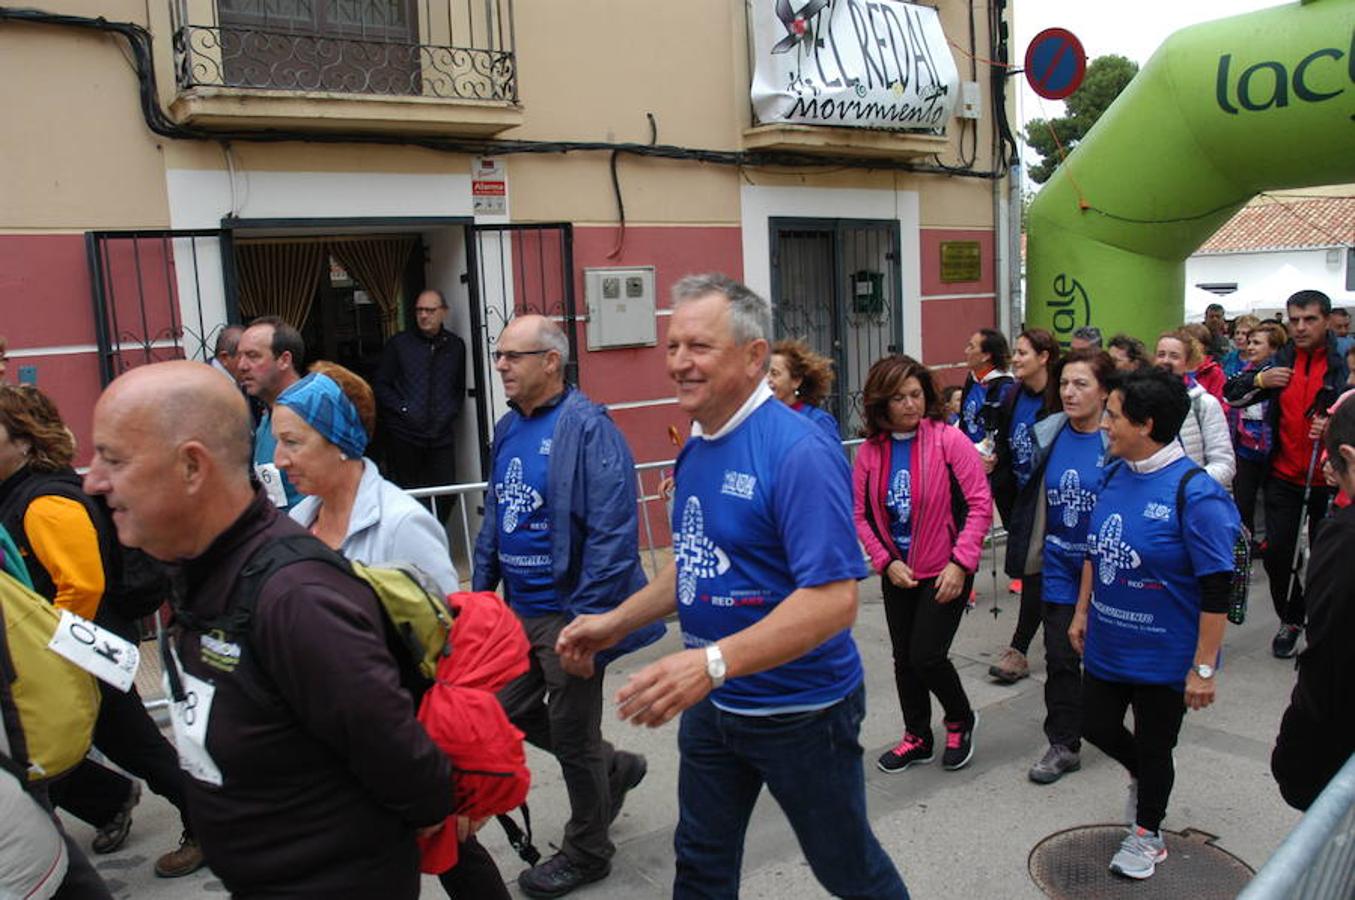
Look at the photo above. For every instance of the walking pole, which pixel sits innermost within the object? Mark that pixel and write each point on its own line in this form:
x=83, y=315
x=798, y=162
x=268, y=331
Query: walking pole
x=1301, y=539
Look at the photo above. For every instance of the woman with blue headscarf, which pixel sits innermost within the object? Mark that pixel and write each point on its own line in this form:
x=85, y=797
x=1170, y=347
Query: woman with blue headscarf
x=322, y=424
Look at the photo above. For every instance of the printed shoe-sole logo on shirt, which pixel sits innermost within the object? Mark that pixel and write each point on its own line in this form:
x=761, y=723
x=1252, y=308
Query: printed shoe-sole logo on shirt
x=695, y=555
x=518, y=498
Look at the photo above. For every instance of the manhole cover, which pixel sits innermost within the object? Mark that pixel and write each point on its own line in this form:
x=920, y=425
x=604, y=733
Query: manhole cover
x=1076, y=864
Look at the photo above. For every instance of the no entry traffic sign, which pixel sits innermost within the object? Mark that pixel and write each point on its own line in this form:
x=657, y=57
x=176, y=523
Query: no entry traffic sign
x=1055, y=63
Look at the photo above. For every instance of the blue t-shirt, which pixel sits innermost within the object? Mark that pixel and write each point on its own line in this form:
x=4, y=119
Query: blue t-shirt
x=520, y=479
x=899, y=497
x=1019, y=437
x=1071, y=477
x=758, y=513
x=971, y=408
x=822, y=418
x=265, y=444
x=1146, y=564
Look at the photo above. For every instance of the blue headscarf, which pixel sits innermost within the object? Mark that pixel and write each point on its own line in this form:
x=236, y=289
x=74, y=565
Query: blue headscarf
x=319, y=400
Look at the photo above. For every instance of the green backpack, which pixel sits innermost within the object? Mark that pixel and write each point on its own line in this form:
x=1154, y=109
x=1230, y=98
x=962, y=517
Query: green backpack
x=415, y=610
x=48, y=704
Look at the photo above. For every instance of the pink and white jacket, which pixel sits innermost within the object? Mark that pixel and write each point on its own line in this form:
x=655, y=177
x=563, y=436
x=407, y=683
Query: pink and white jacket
x=940, y=451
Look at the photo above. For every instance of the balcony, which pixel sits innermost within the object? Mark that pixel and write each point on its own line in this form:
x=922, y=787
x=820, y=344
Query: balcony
x=425, y=66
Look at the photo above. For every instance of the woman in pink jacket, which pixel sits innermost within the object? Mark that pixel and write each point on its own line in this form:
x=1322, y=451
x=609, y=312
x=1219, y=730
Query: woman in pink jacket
x=922, y=506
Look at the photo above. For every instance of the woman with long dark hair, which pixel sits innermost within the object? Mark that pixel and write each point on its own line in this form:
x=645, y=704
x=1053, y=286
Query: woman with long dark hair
x=922, y=506
x=1034, y=359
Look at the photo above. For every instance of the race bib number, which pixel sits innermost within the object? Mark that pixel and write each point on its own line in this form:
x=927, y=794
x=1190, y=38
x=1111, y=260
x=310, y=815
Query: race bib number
x=271, y=479
x=189, y=717
x=97, y=650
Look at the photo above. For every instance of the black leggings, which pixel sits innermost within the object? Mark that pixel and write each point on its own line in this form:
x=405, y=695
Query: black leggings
x=921, y=631
x=1147, y=753
x=1032, y=612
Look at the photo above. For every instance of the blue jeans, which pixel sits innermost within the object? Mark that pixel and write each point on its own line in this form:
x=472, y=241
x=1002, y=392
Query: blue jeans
x=811, y=762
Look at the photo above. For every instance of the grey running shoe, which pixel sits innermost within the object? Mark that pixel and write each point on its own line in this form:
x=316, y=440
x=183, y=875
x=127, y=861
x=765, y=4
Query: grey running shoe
x=1139, y=853
x=1057, y=760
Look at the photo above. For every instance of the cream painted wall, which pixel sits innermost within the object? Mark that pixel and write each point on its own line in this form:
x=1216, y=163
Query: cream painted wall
x=98, y=166
x=763, y=203
x=76, y=153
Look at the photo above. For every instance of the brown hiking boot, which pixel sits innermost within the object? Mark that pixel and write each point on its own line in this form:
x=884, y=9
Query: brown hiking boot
x=1011, y=666
x=184, y=861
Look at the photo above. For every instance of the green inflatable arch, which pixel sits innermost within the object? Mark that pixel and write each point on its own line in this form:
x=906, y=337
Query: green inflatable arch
x=1222, y=111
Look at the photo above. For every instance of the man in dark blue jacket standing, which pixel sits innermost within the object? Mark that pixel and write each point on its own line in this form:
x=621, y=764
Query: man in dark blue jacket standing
x=560, y=532
x=419, y=391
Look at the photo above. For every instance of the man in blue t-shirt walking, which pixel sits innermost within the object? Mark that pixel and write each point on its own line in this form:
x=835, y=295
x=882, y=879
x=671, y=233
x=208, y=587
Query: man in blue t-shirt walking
x=764, y=584
x=560, y=532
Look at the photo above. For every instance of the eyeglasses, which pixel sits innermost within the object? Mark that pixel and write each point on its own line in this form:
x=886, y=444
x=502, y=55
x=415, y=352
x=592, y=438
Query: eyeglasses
x=426, y=310
x=514, y=355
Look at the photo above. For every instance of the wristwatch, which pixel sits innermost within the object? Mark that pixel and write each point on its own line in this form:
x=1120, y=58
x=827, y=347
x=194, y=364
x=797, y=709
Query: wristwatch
x=1204, y=670
x=715, y=665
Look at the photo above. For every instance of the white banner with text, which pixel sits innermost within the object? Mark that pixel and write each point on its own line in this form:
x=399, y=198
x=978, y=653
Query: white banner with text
x=851, y=63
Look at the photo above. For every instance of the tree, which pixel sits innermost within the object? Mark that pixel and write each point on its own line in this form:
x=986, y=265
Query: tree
x=1106, y=77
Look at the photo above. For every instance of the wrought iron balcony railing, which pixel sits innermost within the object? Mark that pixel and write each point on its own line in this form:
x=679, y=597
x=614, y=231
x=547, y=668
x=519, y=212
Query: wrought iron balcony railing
x=450, y=49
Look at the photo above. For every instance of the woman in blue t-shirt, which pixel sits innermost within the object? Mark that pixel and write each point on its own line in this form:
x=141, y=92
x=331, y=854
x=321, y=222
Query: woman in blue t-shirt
x=801, y=379
x=1048, y=534
x=1034, y=360
x=1153, y=599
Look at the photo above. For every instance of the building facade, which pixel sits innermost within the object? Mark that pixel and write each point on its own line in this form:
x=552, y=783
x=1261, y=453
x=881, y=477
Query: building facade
x=175, y=165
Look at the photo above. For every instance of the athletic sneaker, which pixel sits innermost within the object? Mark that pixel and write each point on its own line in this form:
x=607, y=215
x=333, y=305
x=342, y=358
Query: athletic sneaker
x=1057, y=760
x=959, y=743
x=1139, y=853
x=1286, y=641
x=1011, y=666
x=911, y=749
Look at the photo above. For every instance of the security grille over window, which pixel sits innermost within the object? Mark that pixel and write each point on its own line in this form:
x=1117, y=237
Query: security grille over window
x=454, y=49
x=158, y=295
x=835, y=285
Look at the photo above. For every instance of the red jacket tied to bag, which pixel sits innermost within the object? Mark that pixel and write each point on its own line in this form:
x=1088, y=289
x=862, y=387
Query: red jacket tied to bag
x=464, y=718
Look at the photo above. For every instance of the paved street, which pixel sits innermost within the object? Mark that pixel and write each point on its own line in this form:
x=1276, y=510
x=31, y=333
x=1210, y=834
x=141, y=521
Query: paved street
x=964, y=834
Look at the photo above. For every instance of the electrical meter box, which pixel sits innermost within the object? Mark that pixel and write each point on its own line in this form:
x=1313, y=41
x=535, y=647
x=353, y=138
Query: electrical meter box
x=620, y=307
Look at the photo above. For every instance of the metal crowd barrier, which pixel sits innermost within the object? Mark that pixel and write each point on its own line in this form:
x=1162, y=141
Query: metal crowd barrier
x=1317, y=859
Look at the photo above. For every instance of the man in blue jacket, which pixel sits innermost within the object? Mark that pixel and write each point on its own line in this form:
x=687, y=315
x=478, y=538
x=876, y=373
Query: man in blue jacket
x=560, y=532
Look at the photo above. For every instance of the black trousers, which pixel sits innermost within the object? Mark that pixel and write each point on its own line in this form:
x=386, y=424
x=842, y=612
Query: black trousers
x=1063, y=678
x=1247, y=484
x=1028, y=619
x=562, y=715
x=921, y=631
x=1146, y=753
x=1284, y=508
x=412, y=465
x=125, y=733
x=475, y=875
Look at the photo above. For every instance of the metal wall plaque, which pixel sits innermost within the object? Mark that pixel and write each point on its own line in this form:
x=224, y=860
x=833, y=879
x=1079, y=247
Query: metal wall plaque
x=961, y=261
